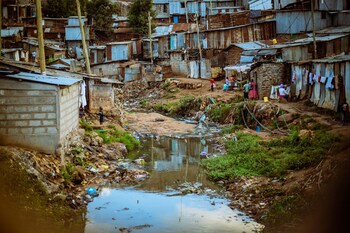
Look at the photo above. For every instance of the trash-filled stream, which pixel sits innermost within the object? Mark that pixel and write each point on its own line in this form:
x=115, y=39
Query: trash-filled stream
x=177, y=197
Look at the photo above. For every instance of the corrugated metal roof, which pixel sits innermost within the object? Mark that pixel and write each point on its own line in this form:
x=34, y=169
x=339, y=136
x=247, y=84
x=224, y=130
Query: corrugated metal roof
x=99, y=47
x=339, y=58
x=251, y=45
x=162, y=31
x=120, y=43
x=10, y=32
x=260, y=52
x=11, y=50
x=321, y=38
x=334, y=30
x=53, y=80
x=246, y=59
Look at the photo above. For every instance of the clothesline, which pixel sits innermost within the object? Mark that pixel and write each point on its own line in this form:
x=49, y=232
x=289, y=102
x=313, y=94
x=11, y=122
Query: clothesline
x=331, y=82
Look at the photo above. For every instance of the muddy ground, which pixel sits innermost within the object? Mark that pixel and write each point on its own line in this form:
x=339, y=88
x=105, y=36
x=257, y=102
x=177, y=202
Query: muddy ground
x=105, y=163
x=256, y=195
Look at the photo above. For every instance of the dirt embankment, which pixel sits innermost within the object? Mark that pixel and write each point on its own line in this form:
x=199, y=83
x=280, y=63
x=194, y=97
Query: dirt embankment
x=266, y=198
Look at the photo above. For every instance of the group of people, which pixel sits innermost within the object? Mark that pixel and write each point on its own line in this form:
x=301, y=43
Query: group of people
x=250, y=90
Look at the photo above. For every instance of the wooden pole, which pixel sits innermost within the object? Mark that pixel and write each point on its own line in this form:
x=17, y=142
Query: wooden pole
x=150, y=35
x=85, y=49
x=186, y=12
x=39, y=25
x=198, y=39
x=313, y=30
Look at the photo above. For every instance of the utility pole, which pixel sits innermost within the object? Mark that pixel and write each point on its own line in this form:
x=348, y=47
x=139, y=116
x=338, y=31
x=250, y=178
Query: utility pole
x=39, y=25
x=313, y=29
x=186, y=12
x=198, y=39
x=150, y=35
x=85, y=49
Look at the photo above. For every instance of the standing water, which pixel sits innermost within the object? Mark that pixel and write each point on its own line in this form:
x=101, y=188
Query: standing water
x=176, y=198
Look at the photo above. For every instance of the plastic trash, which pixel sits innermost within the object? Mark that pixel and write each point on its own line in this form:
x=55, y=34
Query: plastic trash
x=203, y=153
x=234, y=138
x=258, y=129
x=91, y=191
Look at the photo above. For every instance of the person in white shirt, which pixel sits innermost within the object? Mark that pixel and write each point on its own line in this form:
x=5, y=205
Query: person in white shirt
x=282, y=92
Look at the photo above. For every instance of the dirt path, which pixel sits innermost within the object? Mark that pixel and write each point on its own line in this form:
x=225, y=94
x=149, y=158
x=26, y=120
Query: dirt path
x=154, y=123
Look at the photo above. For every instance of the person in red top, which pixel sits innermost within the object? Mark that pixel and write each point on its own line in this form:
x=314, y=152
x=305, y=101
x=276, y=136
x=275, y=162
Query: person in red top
x=212, y=84
x=232, y=81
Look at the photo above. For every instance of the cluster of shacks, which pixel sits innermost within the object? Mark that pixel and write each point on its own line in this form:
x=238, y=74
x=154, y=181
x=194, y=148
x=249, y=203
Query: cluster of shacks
x=269, y=41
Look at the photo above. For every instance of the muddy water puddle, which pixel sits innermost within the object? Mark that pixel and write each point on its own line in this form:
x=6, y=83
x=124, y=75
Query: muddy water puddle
x=177, y=197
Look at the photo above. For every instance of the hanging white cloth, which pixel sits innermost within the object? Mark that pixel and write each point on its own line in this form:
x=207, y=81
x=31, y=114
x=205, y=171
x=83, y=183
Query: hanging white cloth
x=82, y=95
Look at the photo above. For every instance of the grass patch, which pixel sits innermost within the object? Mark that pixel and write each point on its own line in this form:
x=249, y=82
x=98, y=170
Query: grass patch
x=250, y=156
x=86, y=125
x=117, y=135
x=231, y=129
x=179, y=107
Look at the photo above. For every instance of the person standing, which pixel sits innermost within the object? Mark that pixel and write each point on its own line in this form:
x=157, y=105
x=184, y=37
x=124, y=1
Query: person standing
x=246, y=88
x=212, y=84
x=101, y=114
x=344, y=109
x=232, y=82
x=282, y=92
x=253, y=93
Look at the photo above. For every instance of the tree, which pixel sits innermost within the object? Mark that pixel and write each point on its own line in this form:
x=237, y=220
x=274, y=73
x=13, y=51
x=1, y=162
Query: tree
x=138, y=15
x=101, y=11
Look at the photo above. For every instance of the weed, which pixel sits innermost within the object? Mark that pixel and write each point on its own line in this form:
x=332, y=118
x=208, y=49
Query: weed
x=250, y=156
x=219, y=112
x=121, y=136
x=77, y=150
x=86, y=125
x=231, y=129
x=145, y=104
x=67, y=172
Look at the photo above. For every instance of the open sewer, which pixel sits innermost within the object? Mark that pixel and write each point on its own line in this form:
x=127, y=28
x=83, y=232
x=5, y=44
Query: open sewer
x=177, y=197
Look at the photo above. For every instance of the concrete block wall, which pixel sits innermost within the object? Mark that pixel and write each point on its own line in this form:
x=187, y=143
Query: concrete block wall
x=69, y=110
x=28, y=115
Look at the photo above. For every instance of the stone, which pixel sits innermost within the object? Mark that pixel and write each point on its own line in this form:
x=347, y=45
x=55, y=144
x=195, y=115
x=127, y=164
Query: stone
x=289, y=117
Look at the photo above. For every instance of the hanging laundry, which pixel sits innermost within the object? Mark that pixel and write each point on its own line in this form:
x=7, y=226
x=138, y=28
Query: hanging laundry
x=329, y=83
x=274, y=93
x=323, y=79
x=315, y=78
x=310, y=78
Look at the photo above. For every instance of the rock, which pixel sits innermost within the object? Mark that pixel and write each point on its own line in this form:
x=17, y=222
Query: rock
x=78, y=175
x=139, y=162
x=289, y=117
x=59, y=197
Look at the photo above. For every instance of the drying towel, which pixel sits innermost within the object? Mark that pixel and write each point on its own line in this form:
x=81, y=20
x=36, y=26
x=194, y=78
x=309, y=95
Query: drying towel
x=310, y=78
x=323, y=79
x=329, y=83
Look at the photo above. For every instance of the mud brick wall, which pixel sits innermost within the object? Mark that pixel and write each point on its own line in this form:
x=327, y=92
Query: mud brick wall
x=266, y=75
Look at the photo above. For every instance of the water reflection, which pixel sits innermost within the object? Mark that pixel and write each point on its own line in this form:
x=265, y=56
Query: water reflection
x=141, y=211
x=173, y=161
x=153, y=205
